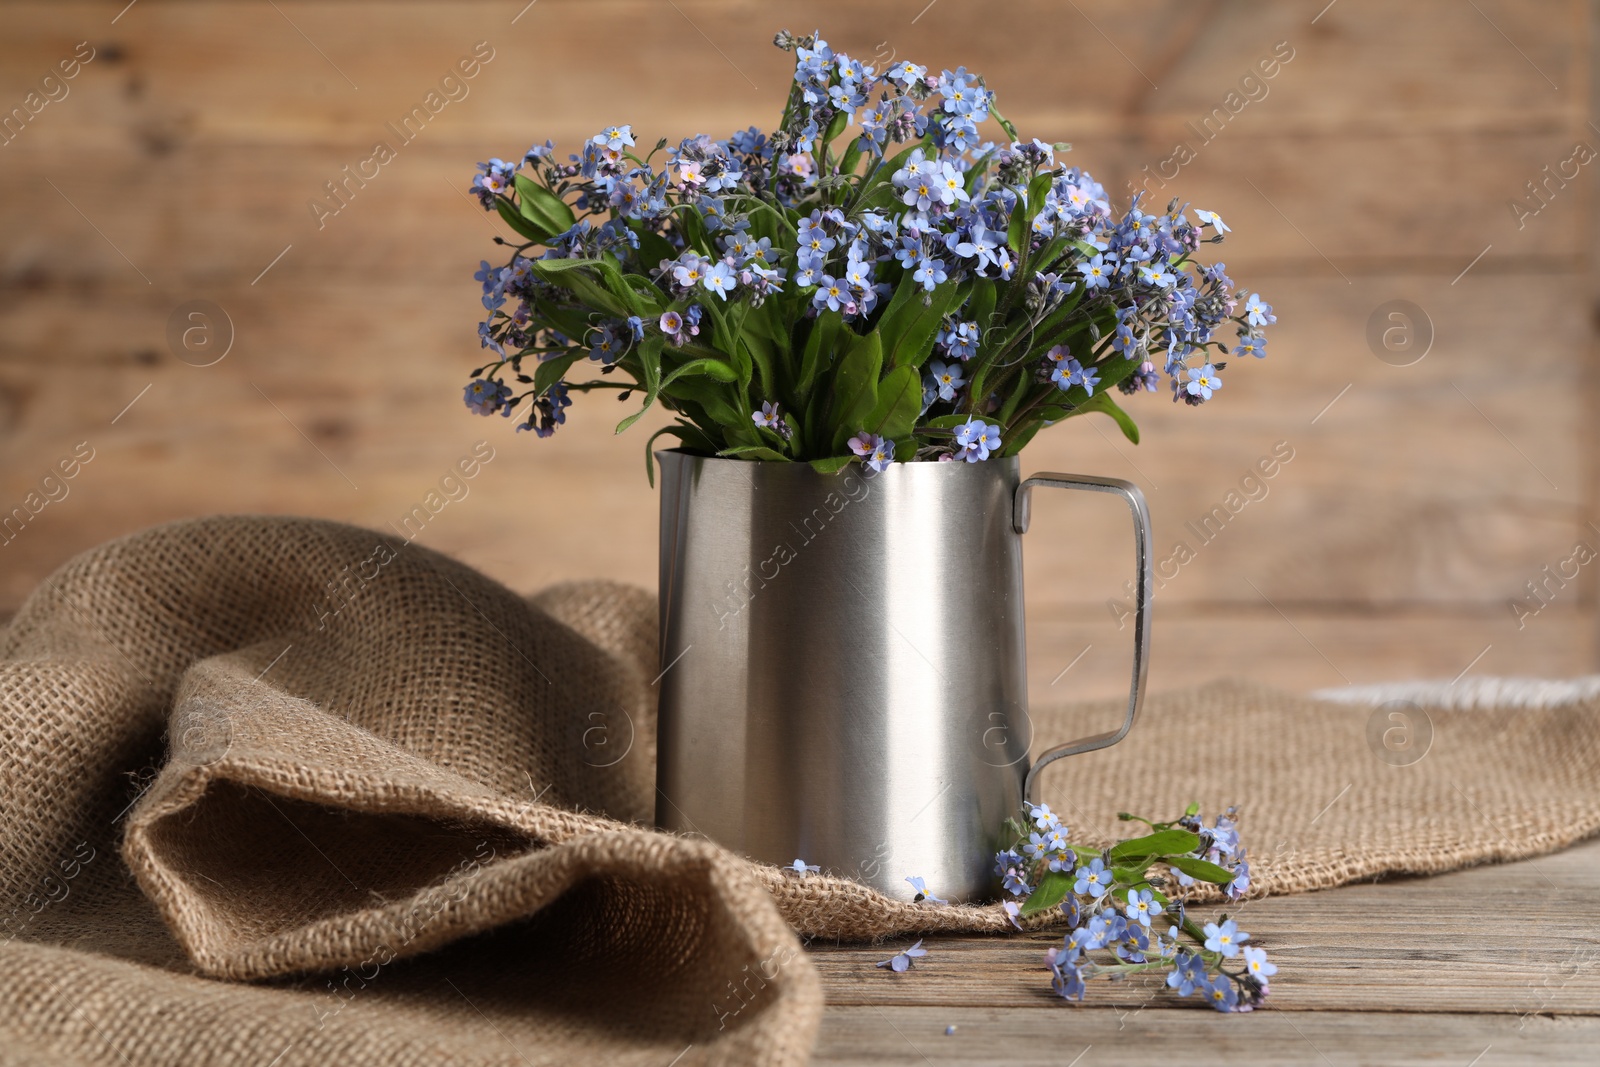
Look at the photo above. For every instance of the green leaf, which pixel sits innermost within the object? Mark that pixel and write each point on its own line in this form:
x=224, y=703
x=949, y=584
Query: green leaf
x=1192, y=810
x=1161, y=843
x=551, y=370
x=836, y=127
x=909, y=326
x=980, y=308
x=1018, y=391
x=713, y=397
x=852, y=156
x=1017, y=438
x=710, y=368
x=818, y=352
x=754, y=452
x=1132, y=875
x=648, y=295
x=653, y=248
x=759, y=350
x=1052, y=890
x=1102, y=402
x=1195, y=867
x=855, y=386
x=1017, y=235
x=688, y=435
x=899, y=404
x=649, y=356
x=978, y=171
x=517, y=222
x=833, y=464
x=1037, y=189
x=542, y=207
x=569, y=273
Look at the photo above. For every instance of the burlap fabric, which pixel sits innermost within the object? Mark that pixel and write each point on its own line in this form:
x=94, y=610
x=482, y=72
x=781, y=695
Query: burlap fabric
x=279, y=791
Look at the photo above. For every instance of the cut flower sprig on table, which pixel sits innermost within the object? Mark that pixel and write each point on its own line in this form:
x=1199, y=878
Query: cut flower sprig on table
x=872, y=281
x=1125, y=908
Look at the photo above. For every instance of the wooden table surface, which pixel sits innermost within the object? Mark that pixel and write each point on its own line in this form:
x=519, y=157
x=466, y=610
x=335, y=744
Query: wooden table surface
x=1492, y=965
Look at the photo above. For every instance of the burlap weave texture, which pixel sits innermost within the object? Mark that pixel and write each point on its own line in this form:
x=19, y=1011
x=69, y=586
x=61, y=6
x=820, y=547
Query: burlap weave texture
x=284, y=791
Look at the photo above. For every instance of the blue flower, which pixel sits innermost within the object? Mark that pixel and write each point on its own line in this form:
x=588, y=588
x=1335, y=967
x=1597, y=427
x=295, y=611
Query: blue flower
x=485, y=396
x=929, y=273
x=1096, y=273
x=1070, y=372
x=1142, y=906
x=1066, y=976
x=606, y=346
x=1203, y=382
x=721, y=280
x=947, y=378
x=906, y=73
x=901, y=961
x=1093, y=878
x=615, y=138
x=671, y=324
x=949, y=185
x=801, y=868
x=550, y=410
x=805, y=277
x=1015, y=879
x=1257, y=313
x=1124, y=341
x=750, y=142
x=496, y=179
x=1212, y=219
x=769, y=418
x=1220, y=994
x=877, y=454
x=1255, y=963
x=689, y=270
x=1225, y=939
x=1157, y=275
x=1188, y=974
x=960, y=339
x=921, y=887
x=858, y=276
x=486, y=339
x=1133, y=944
x=1106, y=928
x=1044, y=818
x=812, y=237
x=636, y=328
x=1237, y=888
x=961, y=95
x=832, y=294
x=910, y=249
x=977, y=439
x=1252, y=346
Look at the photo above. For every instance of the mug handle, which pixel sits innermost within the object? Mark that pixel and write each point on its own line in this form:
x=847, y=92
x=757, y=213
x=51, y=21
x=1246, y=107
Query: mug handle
x=1020, y=516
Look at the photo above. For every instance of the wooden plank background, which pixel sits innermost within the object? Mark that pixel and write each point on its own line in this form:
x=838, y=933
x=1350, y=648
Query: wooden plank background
x=1379, y=165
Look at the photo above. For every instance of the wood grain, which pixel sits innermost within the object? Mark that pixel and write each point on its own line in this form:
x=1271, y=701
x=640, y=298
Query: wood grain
x=1400, y=971
x=1378, y=165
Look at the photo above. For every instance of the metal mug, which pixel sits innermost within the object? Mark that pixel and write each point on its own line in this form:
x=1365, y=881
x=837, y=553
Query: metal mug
x=844, y=678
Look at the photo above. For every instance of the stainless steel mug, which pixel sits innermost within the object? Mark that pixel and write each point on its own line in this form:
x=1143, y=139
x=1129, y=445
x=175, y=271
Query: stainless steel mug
x=843, y=663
